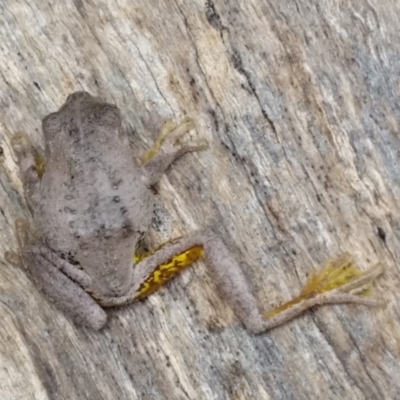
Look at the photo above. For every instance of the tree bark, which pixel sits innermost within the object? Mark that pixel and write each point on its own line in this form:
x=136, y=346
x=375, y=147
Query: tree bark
x=300, y=104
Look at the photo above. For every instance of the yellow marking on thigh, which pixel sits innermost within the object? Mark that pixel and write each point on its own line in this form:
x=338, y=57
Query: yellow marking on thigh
x=167, y=270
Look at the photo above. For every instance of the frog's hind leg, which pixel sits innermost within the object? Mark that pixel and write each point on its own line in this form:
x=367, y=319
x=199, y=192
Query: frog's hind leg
x=64, y=283
x=167, y=148
x=160, y=266
x=339, y=281
x=155, y=268
x=61, y=282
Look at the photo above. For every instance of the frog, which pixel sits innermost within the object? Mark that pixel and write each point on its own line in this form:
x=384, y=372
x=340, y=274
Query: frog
x=92, y=203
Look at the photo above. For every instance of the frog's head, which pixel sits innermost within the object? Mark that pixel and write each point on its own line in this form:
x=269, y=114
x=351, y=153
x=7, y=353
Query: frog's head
x=107, y=258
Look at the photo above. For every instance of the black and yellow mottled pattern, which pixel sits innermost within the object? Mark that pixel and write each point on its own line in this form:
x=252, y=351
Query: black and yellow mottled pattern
x=167, y=270
x=159, y=276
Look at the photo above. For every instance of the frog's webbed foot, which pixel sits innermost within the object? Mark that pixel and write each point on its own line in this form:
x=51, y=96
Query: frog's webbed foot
x=168, y=147
x=339, y=281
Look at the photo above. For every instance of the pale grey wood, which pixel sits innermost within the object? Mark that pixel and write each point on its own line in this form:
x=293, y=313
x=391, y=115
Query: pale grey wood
x=300, y=104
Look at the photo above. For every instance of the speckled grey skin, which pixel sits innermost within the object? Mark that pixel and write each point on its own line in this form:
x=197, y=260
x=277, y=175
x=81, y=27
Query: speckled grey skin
x=93, y=204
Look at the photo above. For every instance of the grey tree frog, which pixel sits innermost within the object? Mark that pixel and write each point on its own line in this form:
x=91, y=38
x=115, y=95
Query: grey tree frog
x=92, y=204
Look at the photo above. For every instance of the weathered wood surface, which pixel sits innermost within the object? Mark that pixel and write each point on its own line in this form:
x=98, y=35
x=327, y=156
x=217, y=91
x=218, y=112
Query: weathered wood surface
x=300, y=103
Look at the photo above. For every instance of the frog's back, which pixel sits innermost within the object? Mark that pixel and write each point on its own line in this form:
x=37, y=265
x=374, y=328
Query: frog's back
x=91, y=182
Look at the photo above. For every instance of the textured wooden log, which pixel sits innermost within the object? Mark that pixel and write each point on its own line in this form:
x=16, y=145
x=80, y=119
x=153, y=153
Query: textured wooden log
x=300, y=104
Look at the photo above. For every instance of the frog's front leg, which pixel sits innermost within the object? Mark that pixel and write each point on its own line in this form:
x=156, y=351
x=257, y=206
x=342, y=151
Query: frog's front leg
x=31, y=165
x=338, y=282
x=168, y=148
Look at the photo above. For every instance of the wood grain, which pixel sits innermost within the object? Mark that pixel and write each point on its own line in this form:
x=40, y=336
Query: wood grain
x=300, y=104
